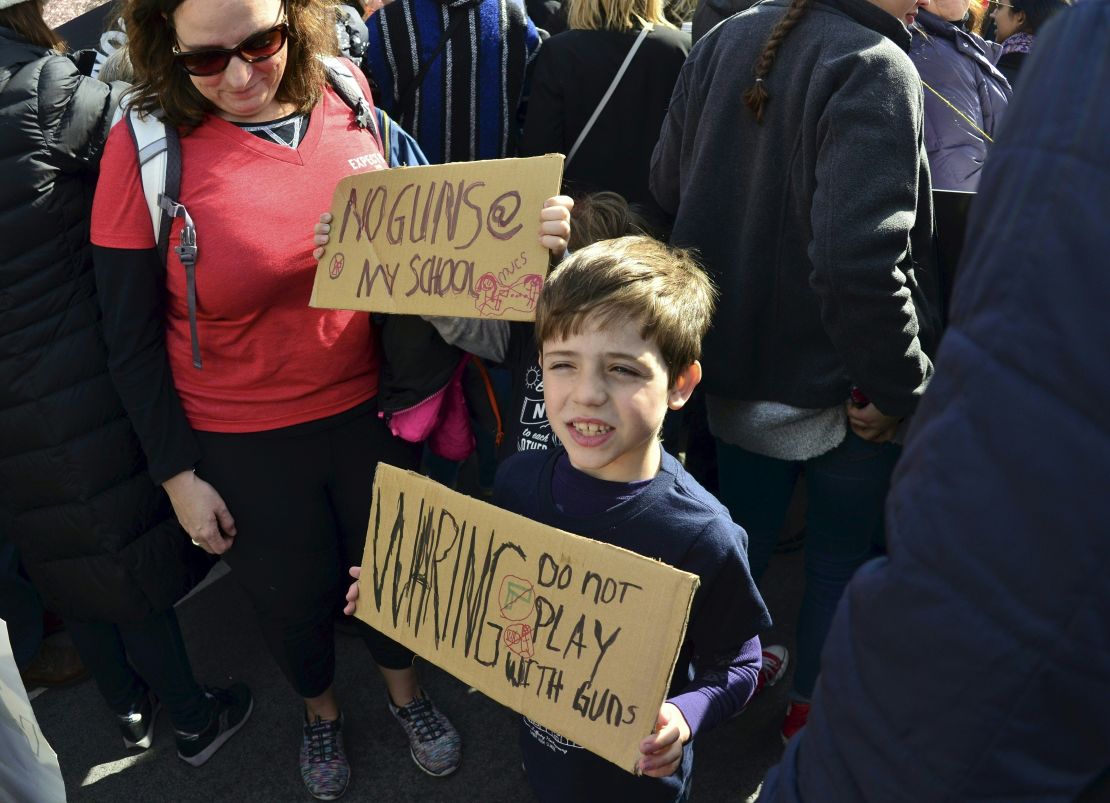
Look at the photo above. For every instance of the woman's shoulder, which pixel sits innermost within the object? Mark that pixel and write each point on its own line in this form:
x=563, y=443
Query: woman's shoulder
x=671, y=38
x=57, y=78
x=72, y=109
x=36, y=72
x=577, y=38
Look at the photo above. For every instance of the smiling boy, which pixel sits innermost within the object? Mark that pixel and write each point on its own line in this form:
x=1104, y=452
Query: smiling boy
x=619, y=327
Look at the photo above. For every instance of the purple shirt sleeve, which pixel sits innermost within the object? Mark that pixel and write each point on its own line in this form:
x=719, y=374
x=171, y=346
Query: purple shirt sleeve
x=720, y=687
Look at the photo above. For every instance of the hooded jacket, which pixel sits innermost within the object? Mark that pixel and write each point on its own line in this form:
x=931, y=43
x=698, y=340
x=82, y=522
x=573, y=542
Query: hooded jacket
x=816, y=224
x=96, y=536
x=710, y=12
x=964, y=92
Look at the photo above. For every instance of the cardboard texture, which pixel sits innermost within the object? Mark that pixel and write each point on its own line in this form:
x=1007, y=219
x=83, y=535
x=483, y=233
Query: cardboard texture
x=577, y=635
x=456, y=239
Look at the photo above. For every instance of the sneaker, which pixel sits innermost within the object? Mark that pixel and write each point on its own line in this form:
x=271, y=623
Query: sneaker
x=324, y=767
x=137, y=725
x=433, y=741
x=231, y=708
x=796, y=716
x=775, y=660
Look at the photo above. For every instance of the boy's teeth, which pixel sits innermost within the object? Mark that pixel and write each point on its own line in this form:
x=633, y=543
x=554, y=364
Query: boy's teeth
x=592, y=429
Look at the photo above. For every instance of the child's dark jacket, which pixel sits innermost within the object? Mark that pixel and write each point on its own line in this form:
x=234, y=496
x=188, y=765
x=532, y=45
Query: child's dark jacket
x=673, y=520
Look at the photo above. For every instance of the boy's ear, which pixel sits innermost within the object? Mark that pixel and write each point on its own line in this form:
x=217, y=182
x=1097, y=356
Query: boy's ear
x=684, y=386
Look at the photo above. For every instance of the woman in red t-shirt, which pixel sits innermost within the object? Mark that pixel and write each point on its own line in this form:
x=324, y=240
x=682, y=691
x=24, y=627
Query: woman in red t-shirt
x=256, y=411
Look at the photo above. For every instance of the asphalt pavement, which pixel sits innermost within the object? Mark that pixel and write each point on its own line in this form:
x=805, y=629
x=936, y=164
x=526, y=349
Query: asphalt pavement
x=260, y=762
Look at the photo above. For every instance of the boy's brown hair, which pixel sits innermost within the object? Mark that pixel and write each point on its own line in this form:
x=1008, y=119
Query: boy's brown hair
x=603, y=216
x=635, y=278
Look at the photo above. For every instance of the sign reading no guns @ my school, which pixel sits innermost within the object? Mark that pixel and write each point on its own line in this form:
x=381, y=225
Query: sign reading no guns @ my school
x=456, y=239
x=577, y=635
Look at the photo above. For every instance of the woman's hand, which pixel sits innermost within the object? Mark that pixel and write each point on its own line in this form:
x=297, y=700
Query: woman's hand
x=663, y=749
x=352, y=592
x=555, y=224
x=871, y=424
x=201, y=511
x=321, y=235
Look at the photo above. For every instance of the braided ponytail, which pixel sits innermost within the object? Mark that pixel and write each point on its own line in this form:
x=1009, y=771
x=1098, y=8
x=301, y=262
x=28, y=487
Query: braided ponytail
x=756, y=97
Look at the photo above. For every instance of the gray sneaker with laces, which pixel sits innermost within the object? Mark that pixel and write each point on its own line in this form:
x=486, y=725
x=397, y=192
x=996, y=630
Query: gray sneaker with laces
x=433, y=741
x=324, y=767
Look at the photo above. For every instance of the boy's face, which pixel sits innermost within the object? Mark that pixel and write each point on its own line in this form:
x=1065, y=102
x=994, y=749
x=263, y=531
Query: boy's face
x=607, y=392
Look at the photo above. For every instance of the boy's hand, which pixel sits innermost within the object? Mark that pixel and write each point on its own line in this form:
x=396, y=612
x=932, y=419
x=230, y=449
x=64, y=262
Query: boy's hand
x=555, y=224
x=352, y=592
x=663, y=749
x=322, y=234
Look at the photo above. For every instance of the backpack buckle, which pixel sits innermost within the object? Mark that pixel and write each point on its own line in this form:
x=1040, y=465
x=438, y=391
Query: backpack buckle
x=187, y=250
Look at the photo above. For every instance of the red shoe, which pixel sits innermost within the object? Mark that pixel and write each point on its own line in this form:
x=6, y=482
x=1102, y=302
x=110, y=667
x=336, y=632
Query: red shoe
x=796, y=716
x=775, y=660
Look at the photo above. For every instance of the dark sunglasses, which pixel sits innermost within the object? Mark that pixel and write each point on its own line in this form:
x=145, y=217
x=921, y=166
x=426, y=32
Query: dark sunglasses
x=214, y=60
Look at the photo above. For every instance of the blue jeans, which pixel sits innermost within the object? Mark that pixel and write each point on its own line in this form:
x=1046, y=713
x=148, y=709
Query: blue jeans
x=846, y=489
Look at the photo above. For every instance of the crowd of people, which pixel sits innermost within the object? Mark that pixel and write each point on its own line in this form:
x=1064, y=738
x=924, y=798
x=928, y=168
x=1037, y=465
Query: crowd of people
x=745, y=267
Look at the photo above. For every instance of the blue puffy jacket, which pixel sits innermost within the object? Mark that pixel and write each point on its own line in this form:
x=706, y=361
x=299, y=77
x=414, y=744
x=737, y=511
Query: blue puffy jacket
x=965, y=96
x=972, y=664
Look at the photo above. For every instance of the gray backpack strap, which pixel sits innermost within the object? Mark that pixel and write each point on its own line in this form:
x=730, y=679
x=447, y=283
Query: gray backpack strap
x=345, y=84
x=187, y=252
x=149, y=134
x=159, y=152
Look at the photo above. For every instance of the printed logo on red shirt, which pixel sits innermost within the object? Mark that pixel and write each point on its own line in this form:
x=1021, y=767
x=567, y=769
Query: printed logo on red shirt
x=373, y=161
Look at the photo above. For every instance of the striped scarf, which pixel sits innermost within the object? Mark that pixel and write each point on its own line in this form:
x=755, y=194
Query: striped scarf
x=466, y=106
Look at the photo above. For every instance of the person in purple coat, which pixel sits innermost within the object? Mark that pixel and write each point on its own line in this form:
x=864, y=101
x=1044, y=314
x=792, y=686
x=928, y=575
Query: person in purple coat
x=965, y=94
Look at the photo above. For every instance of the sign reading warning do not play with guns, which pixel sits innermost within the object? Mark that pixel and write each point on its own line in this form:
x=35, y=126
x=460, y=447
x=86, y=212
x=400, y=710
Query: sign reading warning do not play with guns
x=578, y=635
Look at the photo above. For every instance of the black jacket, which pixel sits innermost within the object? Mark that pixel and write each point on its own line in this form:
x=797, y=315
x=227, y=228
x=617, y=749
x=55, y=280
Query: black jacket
x=572, y=72
x=816, y=224
x=97, y=537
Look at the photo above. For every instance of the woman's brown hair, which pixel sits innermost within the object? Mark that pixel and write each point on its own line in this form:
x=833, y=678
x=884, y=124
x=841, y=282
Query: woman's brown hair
x=161, y=85
x=756, y=97
x=26, y=20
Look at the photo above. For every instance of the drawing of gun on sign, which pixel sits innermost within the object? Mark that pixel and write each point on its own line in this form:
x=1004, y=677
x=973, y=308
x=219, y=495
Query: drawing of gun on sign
x=495, y=298
x=565, y=630
x=456, y=240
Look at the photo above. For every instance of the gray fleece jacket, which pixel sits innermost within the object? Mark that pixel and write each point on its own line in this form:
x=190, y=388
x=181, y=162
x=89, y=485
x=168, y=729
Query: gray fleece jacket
x=816, y=224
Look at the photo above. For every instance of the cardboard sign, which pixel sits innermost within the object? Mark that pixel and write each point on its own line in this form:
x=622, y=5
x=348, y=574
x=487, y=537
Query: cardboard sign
x=577, y=635
x=456, y=239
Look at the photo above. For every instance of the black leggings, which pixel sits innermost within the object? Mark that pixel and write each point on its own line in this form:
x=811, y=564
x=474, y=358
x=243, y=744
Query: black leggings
x=300, y=497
